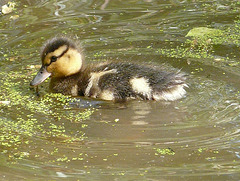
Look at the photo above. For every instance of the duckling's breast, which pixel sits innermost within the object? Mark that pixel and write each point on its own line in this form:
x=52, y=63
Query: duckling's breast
x=66, y=85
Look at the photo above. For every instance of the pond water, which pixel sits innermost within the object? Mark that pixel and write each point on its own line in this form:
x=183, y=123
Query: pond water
x=55, y=137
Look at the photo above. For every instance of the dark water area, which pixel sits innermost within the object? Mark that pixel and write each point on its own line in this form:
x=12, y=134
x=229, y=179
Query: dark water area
x=55, y=137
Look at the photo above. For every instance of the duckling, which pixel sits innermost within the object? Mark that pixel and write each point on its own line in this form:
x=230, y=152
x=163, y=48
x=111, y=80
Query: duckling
x=63, y=61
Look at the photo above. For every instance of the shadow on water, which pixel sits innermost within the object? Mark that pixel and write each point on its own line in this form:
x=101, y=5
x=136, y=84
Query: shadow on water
x=55, y=136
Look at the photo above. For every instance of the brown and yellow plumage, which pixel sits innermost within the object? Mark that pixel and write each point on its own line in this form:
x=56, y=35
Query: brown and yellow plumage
x=118, y=81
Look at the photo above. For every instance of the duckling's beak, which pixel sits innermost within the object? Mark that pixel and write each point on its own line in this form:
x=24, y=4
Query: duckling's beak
x=42, y=75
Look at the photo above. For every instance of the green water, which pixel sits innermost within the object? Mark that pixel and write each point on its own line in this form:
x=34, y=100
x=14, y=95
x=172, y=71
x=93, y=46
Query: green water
x=55, y=137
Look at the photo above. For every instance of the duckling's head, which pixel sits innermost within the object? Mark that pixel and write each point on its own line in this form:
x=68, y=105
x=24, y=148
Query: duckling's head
x=60, y=58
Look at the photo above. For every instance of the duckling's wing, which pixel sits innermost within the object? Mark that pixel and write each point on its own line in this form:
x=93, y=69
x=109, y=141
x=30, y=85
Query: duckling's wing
x=131, y=80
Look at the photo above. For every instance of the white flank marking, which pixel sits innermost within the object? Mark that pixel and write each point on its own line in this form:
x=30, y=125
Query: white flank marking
x=141, y=86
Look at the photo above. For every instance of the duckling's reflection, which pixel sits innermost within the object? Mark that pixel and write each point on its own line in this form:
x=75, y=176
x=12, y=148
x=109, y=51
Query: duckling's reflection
x=140, y=123
x=141, y=111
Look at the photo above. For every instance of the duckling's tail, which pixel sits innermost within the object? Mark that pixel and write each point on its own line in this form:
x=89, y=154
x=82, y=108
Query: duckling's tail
x=174, y=88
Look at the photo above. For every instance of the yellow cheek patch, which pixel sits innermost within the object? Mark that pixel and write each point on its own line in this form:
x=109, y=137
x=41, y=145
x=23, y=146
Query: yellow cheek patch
x=68, y=63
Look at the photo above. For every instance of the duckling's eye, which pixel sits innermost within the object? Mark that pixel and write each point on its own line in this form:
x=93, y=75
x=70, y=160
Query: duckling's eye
x=53, y=59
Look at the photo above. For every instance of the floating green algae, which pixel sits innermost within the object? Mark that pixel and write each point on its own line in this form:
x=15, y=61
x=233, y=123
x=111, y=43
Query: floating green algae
x=25, y=117
x=203, y=32
x=201, y=42
x=164, y=151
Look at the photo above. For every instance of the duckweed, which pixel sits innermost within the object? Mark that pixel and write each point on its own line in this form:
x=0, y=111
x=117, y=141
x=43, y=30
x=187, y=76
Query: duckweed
x=29, y=117
x=201, y=43
x=165, y=151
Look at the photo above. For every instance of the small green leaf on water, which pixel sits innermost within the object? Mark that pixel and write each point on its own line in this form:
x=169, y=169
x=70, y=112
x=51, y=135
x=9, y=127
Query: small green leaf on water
x=14, y=17
x=164, y=151
x=203, y=31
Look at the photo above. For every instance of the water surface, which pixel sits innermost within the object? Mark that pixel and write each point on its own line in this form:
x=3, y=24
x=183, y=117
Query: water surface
x=55, y=137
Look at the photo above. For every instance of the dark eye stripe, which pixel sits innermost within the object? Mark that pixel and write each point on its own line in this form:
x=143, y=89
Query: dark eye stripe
x=54, y=58
x=65, y=51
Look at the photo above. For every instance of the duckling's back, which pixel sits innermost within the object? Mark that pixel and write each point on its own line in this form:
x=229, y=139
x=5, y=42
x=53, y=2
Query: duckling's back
x=122, y=81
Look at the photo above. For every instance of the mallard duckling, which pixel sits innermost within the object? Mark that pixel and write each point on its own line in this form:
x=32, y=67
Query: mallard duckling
x=62, y=60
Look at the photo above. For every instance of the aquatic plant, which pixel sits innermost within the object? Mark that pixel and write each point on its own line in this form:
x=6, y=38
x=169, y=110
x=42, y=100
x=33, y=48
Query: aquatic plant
x=26, y=117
